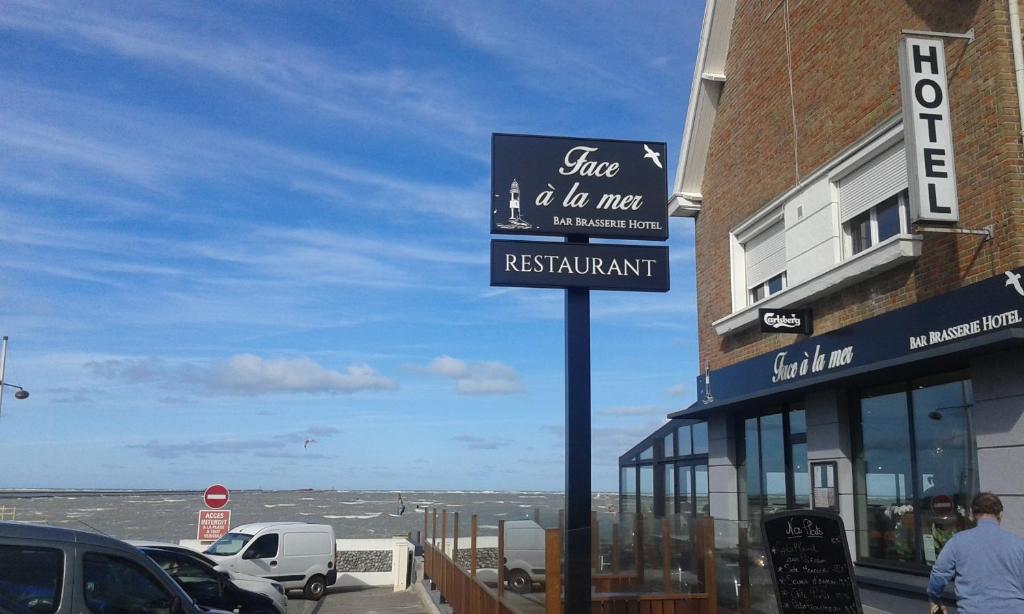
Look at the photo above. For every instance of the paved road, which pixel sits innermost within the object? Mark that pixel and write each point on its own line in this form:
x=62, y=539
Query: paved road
x=360, y=601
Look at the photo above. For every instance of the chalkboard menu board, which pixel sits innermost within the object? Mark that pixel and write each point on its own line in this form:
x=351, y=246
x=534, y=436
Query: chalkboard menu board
x=810, y=563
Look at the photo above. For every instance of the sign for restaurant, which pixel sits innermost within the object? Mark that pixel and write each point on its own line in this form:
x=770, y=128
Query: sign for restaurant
x=545, y=264
x=542, y=185
x=786, y=321
x=809, y=559
x=928, y=129
x=922, y=330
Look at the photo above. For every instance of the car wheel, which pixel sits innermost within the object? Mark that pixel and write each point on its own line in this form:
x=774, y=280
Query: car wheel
x=519, y=581
x=315, y=588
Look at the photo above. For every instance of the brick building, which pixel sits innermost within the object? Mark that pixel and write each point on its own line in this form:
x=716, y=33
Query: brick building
x=814, y=186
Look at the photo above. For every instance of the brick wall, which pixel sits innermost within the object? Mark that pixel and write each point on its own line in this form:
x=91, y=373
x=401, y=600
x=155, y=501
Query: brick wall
x=846, y=83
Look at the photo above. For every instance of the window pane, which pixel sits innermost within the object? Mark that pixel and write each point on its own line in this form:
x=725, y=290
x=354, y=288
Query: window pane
x=670, y=489
x=773, y=462
x=685, y=489
x=700, y=479
x=647, y=453
x=889, y=510
x=628, y=484
x=757, y=293
x=801, y=477
x=946, y=462
x=113, y=584
x=684, y=441
x=888, y=215
x=700, y=438
x=31, y=577
x=860, y=232
x=647, y=490
x=798, y=422
x=669, y=443
x=775, y=284
x=264, y=548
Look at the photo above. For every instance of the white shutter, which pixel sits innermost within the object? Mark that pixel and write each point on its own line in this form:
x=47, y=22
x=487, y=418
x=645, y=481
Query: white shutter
x=873, y=182
x=765, y=254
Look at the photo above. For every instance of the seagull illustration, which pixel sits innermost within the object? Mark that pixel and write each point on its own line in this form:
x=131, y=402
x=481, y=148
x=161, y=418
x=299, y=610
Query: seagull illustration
x=308, y=441
x=653, y=155
x=1013, y=279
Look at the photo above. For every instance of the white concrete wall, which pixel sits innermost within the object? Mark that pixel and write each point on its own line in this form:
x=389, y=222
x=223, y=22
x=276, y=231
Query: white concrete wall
x=812, y=234
x=998, y=381
x=828, y=439
x=722, y=467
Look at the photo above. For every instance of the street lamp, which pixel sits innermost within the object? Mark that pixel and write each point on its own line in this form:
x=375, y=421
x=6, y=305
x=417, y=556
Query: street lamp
x=21, y=393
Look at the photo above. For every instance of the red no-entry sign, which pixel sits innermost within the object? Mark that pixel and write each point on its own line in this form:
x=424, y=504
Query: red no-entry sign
x=216, y=496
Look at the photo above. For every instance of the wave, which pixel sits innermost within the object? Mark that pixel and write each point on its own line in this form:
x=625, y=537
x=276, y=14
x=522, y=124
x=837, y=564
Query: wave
x=354, y=516
x=279, y=505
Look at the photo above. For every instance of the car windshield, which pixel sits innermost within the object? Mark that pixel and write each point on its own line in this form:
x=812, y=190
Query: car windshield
x=229, y=544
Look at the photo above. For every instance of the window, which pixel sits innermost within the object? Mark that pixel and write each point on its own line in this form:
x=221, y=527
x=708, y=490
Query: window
x=263, y=548
x=31, y=577
x=764, y=256
x=774, y=470
x=627, y=484
x=873, y=199
x=700, y=438
x=883, y=221
x=669, y=444
x=685, y=447
x=113, y=584
x=915, y=448
x=647, y=490
x=200, y=583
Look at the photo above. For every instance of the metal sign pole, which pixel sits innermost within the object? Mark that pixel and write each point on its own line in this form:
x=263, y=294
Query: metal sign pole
x=577, y=447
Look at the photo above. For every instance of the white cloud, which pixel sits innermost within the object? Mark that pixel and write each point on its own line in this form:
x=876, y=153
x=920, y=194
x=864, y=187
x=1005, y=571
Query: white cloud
x=677, y=391
x=247, y=375
x=643, y=410
x=476, y=378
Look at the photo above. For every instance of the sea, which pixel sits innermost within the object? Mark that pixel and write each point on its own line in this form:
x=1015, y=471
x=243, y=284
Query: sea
x=173, y=515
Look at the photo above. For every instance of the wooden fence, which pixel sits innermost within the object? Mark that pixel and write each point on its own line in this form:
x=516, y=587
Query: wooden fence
x=615, y=593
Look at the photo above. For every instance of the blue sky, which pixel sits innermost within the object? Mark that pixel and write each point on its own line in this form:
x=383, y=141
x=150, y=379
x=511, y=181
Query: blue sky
x=231, y=227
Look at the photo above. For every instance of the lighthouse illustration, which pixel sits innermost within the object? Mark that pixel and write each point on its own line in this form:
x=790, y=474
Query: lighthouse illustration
x=515, y=218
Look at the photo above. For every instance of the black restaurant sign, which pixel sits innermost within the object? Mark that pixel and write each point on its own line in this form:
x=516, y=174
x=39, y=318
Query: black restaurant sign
x=546, y=264
x=542, y=185
x=809, y=559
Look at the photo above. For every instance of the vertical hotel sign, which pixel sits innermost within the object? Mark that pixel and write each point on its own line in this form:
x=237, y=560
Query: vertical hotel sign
x=928, y=128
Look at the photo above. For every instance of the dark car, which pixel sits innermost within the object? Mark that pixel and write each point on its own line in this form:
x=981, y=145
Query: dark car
x=209, y=587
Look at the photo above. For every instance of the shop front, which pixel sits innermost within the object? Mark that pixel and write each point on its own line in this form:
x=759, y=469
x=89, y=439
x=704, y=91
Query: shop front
x=895, y=422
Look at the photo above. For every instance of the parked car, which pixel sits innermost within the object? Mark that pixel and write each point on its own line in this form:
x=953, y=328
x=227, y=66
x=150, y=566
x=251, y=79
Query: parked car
x=263, y=586
x=209, y=587
x=51, y=570
x=524, y=555
x=299, y=555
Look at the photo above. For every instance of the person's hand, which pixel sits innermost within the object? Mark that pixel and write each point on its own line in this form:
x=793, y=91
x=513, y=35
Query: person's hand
x=938, y=608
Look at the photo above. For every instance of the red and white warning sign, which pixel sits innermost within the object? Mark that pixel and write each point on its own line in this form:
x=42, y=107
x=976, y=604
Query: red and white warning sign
x=213, y=524
x=216, y=496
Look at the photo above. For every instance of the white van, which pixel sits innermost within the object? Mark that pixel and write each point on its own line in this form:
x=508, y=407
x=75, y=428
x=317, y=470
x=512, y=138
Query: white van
x=296, y=554
x=524, y=554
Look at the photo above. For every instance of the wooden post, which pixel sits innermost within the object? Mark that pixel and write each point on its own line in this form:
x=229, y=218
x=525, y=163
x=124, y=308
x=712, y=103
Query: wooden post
x=433, y=538
x=710, y=581
x=666, y=557
x=552, y=572
x=455, y=544
x=501, y=561
x=444, y=531
x=595, y=536
x=472, y=546
x=638, y=542
x=425, y=514
x=616, y=548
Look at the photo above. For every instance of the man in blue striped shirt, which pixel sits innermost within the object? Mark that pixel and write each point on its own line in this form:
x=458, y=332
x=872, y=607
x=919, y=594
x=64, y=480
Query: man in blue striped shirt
x=986, y=563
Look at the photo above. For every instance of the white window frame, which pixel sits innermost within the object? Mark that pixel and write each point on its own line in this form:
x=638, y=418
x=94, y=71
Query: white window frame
x=752, y=300
x=904, y=212
x=738, y=239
